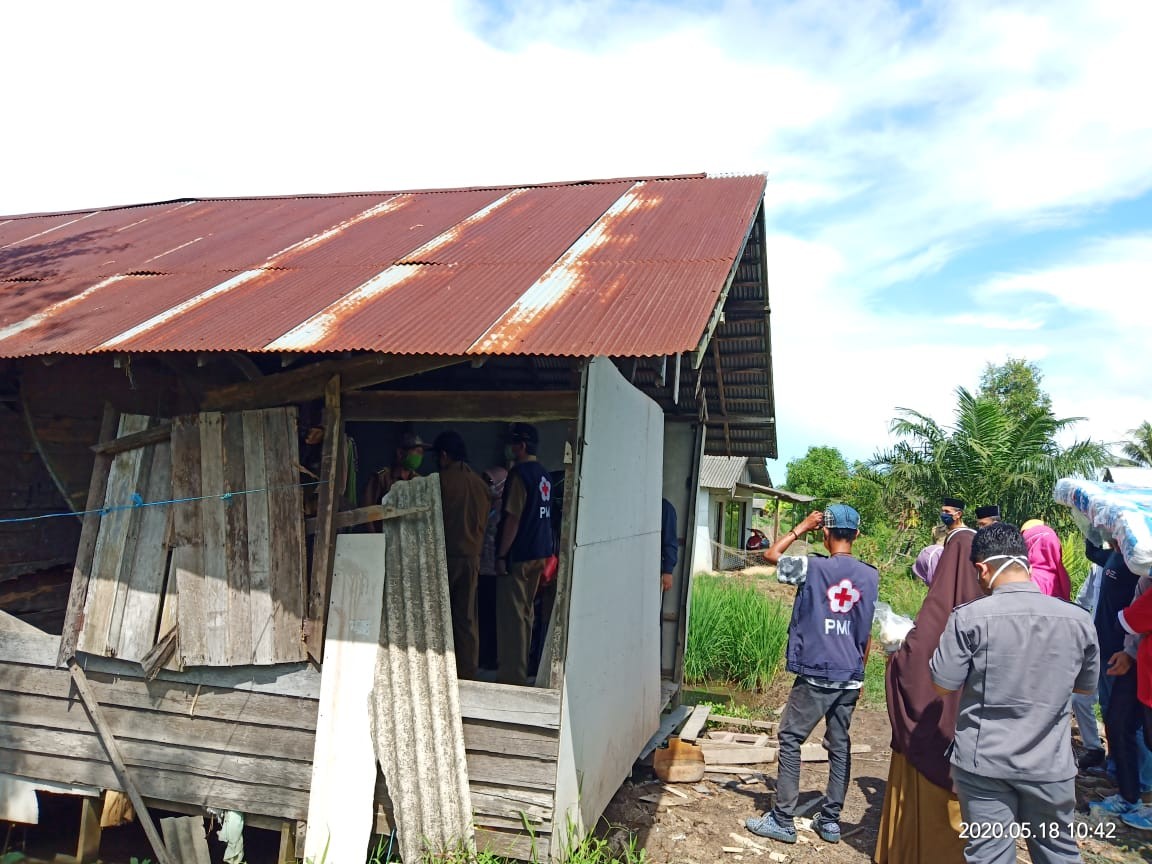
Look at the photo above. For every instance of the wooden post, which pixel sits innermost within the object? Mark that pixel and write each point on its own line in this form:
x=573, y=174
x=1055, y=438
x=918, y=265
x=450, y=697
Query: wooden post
x=287, y=843
x=118, y=766
x=324, y=544
x=82, y=570
x=776, y=522
x=88, y=846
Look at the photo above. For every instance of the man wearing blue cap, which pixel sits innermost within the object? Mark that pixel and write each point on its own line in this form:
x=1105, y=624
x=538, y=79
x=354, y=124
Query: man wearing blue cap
x=828, y=643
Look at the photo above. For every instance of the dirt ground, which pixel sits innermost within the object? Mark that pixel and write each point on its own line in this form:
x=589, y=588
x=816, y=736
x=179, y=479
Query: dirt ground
x=697, y=830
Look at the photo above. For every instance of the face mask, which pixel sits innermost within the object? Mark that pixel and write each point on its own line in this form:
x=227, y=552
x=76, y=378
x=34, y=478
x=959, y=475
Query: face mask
x=947, y=519
x=1012, y=559
x=413, y=461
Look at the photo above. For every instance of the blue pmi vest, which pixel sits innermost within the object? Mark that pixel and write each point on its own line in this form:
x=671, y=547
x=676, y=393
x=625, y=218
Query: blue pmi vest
x=534, y=534
x=832, y=618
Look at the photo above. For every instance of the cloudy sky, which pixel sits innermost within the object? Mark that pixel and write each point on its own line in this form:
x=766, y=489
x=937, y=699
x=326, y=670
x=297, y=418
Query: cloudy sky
x=950, y=183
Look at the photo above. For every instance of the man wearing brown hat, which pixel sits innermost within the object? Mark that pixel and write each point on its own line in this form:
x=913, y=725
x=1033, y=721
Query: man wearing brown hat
x=523, y=548
x=464, y=499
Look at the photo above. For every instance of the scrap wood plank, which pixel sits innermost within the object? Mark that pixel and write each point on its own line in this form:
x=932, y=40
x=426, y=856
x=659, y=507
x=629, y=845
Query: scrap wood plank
x=90, y=530
x=287, y=555
x=118, y=766
x=740, y=721
x=186, y=838
x=668, y=725
x=324, y=544
x=739, y=754
x=696, y=723
x=817, y=753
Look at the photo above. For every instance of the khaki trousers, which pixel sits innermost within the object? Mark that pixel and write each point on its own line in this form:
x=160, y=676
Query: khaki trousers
x=463, y=574
x=515, y=591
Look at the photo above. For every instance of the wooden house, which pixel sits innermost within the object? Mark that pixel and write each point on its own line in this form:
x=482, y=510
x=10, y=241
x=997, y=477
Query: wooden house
x=172, y=516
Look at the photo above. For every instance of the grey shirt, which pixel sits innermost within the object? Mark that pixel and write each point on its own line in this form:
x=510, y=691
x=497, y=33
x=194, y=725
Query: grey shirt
x=1017, y=655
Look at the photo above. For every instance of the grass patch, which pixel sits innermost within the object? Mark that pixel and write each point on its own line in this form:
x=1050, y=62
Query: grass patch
x=874, y=694
x=736, y=634
x=903, y=592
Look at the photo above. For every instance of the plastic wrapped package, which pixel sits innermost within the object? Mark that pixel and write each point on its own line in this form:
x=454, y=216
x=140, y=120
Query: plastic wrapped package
x=889, y=628
x=1108, y=511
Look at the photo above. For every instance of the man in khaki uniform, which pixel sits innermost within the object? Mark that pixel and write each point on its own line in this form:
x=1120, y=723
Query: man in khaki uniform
x=465, y=499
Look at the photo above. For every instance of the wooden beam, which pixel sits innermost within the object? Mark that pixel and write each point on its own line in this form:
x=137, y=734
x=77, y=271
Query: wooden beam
x=720, y=391
x=324, y=545
x=694, y=728
x=309, y=382
x=85, y=551
x=476, y=406
x=363, y=515
x=246, y=365
x=88, y=845
x=131, y=442
x=109, y=742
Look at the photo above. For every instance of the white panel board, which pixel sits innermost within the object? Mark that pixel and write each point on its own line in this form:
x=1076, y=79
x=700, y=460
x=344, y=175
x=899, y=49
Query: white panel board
x=611, y=702
x=340, y=812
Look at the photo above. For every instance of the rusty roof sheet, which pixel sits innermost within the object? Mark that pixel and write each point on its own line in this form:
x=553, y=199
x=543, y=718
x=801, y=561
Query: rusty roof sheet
x=629, y=267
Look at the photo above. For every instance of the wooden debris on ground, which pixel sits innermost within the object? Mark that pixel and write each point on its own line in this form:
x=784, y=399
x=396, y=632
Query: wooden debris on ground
x=664, y=800
x=738, y=721
x=718, y=753
x=696, y=723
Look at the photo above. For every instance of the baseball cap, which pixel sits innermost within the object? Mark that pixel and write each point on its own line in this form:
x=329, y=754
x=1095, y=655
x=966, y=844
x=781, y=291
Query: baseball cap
x=525, y=432
x=411, y=439
x=841, y=516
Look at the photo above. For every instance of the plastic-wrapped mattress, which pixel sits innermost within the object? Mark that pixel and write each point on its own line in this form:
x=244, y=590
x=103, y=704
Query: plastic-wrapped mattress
x=1107, y=511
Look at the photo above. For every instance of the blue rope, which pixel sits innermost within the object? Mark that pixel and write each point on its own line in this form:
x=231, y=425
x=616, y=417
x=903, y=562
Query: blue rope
x=139, y=503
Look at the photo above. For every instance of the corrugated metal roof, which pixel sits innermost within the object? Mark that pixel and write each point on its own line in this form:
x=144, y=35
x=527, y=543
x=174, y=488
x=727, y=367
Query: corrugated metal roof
x=621, y=268
x=723, y=472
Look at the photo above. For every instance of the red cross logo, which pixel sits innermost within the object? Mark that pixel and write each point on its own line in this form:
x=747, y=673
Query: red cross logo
x=843, y=596
x=545, y=488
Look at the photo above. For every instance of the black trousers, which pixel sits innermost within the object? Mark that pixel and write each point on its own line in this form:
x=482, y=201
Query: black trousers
x=1121, y=725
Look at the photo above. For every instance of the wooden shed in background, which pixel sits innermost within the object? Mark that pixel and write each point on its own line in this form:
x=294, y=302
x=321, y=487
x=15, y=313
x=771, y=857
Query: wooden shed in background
x=161, y=367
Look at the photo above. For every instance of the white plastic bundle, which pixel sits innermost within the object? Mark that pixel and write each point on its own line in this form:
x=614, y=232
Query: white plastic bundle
x=1107, y=511
x=890, y=628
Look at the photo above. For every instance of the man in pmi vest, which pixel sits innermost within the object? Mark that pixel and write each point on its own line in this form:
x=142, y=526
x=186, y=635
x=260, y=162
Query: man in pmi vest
x=828, y=643
x=524, y=546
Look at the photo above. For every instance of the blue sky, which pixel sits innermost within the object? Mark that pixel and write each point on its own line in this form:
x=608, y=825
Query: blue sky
x=950, y=183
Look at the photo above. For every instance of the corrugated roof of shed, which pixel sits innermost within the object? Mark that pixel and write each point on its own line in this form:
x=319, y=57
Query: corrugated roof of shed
x=722, y=472
x=630, y=267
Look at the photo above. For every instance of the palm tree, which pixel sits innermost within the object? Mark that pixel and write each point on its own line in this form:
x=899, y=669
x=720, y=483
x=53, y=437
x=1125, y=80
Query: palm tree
x=988, y=456
x=1138, y=451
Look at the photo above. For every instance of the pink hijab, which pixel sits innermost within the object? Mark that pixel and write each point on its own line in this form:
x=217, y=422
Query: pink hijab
x=1046, y=557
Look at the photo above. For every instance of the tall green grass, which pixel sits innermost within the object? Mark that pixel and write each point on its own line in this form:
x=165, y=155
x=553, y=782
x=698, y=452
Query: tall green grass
x=903, y=592
x=736, y=633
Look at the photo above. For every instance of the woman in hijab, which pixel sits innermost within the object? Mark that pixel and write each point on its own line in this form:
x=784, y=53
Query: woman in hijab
x=920, y=820
x=1046, y=556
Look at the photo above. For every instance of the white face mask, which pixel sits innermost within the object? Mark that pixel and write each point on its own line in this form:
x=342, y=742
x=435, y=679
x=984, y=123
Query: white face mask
x=1017, y=559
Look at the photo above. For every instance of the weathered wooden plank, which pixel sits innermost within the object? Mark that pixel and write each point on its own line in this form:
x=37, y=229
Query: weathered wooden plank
x=82, y=570
x=736, y=754
x=115, y=532
x=691, y=730
x=287, y=570
x=214, y=586
x=741, y=721
x=166, y=697
x=224, y=764
x=533, y=406
x=187, y=568
x=145, y=580
x=523, y=706
x=166, y=785
x=274, y=742
x=363, y=515
x=309, y=382
x=493, y=800
x=511, y=770
x=239, y=620
x=513, y=844
x=324, y=543
x=143, y=438
x=485, y=736
x=184, y=836
x=256, y=511
x=344, y=762
x=126, y=781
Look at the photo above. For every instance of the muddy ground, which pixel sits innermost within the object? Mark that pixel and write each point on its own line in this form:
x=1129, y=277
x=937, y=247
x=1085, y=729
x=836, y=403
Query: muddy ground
x=697, y=830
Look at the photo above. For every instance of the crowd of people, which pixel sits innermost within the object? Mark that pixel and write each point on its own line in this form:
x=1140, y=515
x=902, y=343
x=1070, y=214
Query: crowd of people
x=979, y=694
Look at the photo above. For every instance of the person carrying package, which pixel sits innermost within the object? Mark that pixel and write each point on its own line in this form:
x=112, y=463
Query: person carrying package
x=828, y=642
x=920, y=819
x=464, y=499
x=525, y=544
x=1137, y=622
x=1015, y=657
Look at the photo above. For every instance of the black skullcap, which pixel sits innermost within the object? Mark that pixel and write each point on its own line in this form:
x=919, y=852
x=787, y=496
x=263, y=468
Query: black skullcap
x=952, y=502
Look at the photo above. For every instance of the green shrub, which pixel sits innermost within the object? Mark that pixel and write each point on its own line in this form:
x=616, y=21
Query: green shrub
x=736, y=634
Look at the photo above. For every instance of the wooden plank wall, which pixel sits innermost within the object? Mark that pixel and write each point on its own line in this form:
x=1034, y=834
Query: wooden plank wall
x=248, y=746
x=122, y=607
x=239, y=562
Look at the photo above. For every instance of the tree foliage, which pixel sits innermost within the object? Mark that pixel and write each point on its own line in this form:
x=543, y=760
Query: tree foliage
x=825, y=474
x=996, y=452
x=1138, y=450
x=1015, y=384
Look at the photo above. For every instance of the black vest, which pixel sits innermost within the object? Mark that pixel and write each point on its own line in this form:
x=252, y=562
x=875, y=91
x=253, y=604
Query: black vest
x=534, y=534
